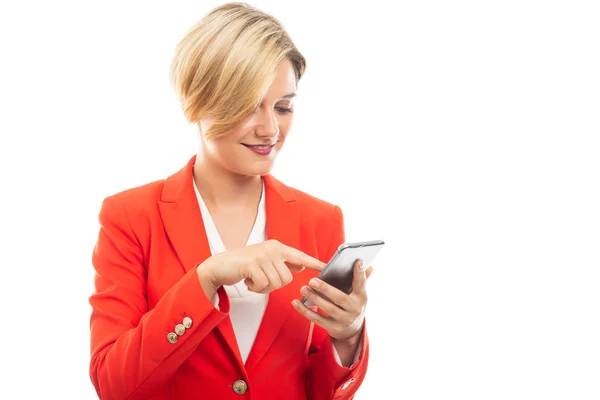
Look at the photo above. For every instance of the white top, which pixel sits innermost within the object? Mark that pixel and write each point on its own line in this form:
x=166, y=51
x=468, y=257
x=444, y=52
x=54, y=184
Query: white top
x=247, y=308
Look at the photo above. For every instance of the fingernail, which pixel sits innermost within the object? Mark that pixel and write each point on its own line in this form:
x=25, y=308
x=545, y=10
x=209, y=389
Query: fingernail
x=304, y=290
x=295, y=302
x=361, y=265
x=314, y=282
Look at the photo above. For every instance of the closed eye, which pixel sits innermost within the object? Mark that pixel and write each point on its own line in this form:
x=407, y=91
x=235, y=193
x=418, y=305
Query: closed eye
x=284, y=110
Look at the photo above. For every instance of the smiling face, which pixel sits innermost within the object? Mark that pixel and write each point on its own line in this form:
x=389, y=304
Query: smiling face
x=252, y=147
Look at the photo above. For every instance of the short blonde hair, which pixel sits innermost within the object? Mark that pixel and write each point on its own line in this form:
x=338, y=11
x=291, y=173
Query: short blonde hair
x=225, y=63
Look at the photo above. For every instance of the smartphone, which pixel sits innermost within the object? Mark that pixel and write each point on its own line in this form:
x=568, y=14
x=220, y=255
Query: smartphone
x=339, y=270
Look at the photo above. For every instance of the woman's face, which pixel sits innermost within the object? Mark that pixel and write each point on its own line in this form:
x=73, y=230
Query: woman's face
x=251, y=148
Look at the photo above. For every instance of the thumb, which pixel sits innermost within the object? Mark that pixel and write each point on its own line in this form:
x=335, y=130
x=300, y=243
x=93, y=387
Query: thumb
x=359, y=280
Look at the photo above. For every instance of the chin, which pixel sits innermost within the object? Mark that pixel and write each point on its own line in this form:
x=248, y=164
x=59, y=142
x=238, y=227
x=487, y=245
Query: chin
x=252, y=170
x=256, y=168
x=262, y=170
x=249, y=165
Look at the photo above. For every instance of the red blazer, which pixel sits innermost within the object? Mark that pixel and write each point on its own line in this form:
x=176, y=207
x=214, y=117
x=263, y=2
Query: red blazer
x=151, y=240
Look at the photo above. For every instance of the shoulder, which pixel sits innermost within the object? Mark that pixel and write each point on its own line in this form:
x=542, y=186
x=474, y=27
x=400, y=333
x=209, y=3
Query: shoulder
x=142, y=201
x=316, y=208
x=319, y=218
x=312, y=207
x=134, y=203
x=146, y=193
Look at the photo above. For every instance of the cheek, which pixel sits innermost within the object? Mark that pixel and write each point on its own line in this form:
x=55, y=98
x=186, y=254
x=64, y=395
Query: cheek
x=222, y=148
x=248, y=124
x=285, y=125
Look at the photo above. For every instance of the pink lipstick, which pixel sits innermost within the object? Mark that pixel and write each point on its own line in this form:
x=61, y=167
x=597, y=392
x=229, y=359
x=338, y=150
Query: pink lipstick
x=263, y=150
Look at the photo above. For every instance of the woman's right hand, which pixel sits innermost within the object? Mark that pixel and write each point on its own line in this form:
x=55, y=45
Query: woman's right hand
x=264, y=267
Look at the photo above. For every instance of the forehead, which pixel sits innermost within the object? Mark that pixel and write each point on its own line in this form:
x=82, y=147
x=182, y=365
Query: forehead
x=284, y=81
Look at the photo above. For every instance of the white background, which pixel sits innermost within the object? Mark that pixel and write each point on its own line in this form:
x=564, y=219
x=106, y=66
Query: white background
x=464, y=134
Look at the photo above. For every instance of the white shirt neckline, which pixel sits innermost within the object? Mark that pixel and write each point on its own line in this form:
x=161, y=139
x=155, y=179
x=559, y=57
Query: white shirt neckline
x=257, y=235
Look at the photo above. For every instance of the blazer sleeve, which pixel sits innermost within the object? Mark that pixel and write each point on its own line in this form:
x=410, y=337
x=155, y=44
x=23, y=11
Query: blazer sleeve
x=327, y=379
x=131, y=357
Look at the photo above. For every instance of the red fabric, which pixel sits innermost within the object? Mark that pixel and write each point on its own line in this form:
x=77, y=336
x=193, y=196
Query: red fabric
x=151, y=240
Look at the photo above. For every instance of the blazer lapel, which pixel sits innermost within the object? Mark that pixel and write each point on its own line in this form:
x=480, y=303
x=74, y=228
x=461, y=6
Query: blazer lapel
x=184, y=226
x=283, y=224
x=182, y=219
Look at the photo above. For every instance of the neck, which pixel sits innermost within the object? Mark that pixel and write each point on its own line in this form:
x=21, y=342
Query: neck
x=225, y=188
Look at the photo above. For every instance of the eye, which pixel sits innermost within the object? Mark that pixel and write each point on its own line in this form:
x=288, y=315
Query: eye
x=284, y=110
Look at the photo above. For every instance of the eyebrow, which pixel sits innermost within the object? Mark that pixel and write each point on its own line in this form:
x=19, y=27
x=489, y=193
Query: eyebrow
x=289, y=96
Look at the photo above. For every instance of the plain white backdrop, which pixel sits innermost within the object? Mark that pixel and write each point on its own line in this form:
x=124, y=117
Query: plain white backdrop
x=465, y=134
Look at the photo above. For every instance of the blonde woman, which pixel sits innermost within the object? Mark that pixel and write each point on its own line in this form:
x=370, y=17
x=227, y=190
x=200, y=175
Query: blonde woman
x=198, y=275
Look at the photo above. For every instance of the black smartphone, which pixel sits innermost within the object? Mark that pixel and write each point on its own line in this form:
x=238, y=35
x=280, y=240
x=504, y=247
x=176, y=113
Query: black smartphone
x=339, y=270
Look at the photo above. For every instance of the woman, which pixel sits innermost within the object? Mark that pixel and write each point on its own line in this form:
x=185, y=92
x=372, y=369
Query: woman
x=198, y=275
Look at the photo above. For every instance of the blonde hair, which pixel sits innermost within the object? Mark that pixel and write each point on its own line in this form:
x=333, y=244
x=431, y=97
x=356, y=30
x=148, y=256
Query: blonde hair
x=225, y=63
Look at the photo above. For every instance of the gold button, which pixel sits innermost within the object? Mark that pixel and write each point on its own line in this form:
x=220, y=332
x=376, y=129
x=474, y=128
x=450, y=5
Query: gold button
x=240, y=387
x=187, y=322
x=348, y=383
x=179, y=329
x=172, y=338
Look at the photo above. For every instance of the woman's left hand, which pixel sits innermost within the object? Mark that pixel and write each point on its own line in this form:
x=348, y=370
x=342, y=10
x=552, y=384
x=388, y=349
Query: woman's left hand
x=346, y=312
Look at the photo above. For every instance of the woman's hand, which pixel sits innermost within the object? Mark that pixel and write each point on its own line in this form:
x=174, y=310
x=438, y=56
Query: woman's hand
x=345, y=312
x=264, y=267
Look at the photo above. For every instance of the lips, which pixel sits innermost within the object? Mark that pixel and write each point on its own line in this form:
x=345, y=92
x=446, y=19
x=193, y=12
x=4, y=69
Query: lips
x=261, y=149
x=259, y=146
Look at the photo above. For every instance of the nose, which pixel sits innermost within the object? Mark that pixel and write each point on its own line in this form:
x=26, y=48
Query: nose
x=268, y=126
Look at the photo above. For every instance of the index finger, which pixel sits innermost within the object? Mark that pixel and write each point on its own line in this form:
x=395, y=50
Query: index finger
x=295, y=259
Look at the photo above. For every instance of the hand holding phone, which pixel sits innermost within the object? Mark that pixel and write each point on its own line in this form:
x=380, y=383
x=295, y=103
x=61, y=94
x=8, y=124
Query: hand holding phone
x=339, y=270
